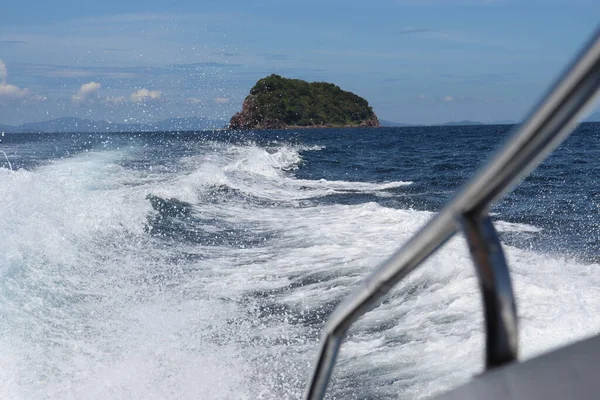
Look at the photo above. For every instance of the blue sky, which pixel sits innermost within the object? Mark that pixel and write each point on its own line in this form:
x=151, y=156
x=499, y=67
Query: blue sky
x=415, y=61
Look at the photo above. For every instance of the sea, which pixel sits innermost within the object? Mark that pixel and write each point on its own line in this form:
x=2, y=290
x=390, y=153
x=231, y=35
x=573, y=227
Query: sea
x=203, y=265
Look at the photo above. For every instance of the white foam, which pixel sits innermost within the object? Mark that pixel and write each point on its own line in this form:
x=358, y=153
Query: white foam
x=441, y=322
x=259, y=172
x=345, y=186
x=94, y=307
x=503, y=226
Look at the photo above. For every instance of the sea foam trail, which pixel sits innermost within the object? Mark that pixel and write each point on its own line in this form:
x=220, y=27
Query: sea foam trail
x=429, y=335
x=332, y=238
x=82, y=306
x=135, y=284
x=262, y=173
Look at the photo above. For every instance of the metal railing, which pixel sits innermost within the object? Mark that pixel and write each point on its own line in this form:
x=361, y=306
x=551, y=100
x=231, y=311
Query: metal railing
x=549, y=123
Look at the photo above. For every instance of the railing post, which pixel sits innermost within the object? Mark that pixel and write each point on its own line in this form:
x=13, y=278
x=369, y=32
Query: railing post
x=502, y=334
x=331, y=343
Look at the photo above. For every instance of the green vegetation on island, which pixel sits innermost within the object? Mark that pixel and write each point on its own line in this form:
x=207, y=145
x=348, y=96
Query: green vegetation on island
x=276, y=102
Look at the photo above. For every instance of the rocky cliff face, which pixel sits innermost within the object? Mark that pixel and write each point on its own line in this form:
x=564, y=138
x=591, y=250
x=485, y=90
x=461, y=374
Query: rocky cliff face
x=280, y=103
x=373, y=121
x=251, y=118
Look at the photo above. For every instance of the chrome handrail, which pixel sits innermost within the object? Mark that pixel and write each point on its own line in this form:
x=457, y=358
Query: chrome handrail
x=545, y=128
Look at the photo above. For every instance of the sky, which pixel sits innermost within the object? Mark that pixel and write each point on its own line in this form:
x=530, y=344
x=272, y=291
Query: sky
x=415, y=61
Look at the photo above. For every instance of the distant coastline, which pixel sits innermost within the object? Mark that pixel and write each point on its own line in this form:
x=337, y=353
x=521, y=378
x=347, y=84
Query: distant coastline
x=72, y=124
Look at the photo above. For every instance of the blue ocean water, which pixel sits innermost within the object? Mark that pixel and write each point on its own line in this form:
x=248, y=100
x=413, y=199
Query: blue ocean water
x=204, y=264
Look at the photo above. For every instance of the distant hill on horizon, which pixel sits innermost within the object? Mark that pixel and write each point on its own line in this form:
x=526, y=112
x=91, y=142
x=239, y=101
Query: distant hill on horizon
x=503, y=122
x=73, y=124
x=463, y=123
x=451, y=123
x=389, y=124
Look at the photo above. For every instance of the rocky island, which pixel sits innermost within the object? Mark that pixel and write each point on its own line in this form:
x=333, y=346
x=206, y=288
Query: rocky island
x=280, y=103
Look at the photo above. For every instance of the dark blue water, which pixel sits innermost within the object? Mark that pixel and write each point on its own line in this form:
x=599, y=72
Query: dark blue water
x=204, y=264
x=561, y=196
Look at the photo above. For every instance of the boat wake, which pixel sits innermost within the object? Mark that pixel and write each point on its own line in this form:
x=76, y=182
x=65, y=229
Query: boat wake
x=125, y=276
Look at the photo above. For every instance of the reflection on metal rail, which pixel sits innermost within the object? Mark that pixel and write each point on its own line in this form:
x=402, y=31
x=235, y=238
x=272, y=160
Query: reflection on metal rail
x=549, y=123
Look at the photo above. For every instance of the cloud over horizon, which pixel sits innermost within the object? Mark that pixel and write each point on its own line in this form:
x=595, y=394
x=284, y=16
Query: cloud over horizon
x=90, y=92
x=86, y=92
x=7, y=91
x=144, y=94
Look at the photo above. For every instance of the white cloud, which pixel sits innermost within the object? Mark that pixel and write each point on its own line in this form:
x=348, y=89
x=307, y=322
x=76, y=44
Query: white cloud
x=144, y=95
x=448, y=99
x=12, y=92
x=194, y=100
x=7, y=91
x=221, y=100
x=86, y=92
x=138, y=96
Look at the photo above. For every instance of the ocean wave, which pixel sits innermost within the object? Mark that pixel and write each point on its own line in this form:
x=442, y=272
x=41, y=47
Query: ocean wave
x=259, y=172
x=503, y=226
x=348, y=186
